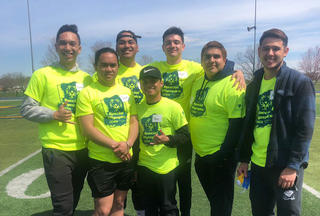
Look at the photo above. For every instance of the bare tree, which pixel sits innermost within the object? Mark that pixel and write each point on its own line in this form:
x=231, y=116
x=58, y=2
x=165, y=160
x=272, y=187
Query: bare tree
x=51, y=55
x=14, y=82
x=245, y=62
x=145, y=59
x=310, y=63
x=95, y=47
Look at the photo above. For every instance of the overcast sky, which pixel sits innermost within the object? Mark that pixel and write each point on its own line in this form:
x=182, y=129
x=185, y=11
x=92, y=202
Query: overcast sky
x=202, y=21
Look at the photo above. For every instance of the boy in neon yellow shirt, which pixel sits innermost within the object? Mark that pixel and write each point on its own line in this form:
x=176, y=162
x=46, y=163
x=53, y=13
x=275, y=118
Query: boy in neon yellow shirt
x=215, y=117
x=163, y=126
x=51, y=101
x=107, y=116
x=277, y=130
x=178, y=77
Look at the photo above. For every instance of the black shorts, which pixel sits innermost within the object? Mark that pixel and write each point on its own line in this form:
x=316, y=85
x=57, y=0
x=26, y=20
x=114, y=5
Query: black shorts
x=104, y=178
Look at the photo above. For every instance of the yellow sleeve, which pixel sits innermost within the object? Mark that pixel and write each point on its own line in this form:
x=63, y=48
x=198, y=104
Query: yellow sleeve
x=36, y=86
x=234, y=100
x=178, y=117
x=133, y=106
x=84, y=106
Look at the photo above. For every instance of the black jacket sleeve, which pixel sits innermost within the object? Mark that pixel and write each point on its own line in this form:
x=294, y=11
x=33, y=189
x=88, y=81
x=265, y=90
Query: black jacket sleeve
x=228, y=147
x=180, y=137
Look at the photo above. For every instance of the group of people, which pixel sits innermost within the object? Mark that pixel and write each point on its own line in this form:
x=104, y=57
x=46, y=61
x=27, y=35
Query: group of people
x=135, y=127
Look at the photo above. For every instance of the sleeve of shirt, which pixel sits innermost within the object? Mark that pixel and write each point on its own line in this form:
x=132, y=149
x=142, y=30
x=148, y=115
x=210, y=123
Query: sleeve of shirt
x=304, y=102
x=133, y=106
x=84, y=106
x=31, y=110
x=36, y=86
x=235, y=102
x=178, y=117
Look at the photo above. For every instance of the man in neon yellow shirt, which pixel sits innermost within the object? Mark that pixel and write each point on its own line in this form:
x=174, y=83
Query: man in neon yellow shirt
x=178, y=77
x=163, y=126
x=277, y=130
x=107, y=116
x=128, y=75
x=51, y=101
x=216, y=114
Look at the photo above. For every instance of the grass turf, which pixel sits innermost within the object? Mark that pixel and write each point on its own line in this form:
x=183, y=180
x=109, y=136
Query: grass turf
x=19, y=139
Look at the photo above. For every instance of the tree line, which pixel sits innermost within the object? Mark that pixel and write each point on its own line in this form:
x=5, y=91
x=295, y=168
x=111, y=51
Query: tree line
x=309, y=64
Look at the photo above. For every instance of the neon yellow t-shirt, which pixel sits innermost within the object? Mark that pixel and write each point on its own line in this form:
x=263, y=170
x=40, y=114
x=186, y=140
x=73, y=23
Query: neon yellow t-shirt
x=168, y=116
x=212, y=105
x=51, y=87
x=263, y=125
x=128, y=77
x=178, y=80
x=111, y=107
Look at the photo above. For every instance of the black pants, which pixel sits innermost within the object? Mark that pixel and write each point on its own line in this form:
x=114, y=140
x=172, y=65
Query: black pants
x=265, y=193
x=185, y=188
x=65, y=172
x=217, y=180
x=159, y=192
x=184, y=153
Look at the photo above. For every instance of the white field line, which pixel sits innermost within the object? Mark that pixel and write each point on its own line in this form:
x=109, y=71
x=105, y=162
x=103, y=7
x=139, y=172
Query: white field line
x=311, y=190
x=18, y=163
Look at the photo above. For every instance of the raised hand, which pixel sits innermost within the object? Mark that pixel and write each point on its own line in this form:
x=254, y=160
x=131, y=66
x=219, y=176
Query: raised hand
x=62, y=114
x=160, y=138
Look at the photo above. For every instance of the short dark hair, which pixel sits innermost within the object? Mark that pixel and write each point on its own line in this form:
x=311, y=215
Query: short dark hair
x=104, y=50
x=133, y=35
x=173, y=30
x=68, y=28
x=214, y=44
x=274, y=33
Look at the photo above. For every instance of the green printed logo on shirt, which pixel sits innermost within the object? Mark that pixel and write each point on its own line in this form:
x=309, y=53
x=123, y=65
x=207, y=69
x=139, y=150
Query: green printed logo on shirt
x=198, y=108
x=116, y=115
x=150, y=128
x=265, y=104
x=171, y=88
x=68, y=92
x=132, y=84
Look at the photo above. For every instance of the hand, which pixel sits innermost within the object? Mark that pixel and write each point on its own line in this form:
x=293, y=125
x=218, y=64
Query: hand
x=160, y=138
x=243, y=169
x=287, y=178
x=62, y=114
x=121, y=148
x=239, y=79
x=125, y=157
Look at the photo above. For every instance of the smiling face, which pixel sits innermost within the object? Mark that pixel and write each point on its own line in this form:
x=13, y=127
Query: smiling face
x=127, y=47
x=272, y=52
x=173, y=46
x=107, y=68
x=151, y=87
x=68, y=48
x=212, y=62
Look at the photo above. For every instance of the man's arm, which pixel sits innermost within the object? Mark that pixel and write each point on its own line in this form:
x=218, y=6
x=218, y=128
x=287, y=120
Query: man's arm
x=304, y=115
x=33, y=111
x=240, y=81
x=122, y=150
x=232, y=137
x=180, y=137
x=92, y=133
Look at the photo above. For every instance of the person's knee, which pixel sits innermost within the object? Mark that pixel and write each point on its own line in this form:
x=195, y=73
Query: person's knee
x=118, y=204
x=101, y=212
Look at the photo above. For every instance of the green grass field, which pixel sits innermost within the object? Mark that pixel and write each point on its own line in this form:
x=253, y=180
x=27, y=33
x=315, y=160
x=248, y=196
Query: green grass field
x=19, y=139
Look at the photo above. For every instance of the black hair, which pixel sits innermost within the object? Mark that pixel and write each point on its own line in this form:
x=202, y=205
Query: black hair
x=104, y=50
x=173, y=30
x=274, y=33
x=68, y=28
